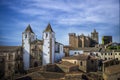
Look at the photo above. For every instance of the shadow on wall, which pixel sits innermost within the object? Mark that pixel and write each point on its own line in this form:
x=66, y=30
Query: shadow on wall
x=25, y=78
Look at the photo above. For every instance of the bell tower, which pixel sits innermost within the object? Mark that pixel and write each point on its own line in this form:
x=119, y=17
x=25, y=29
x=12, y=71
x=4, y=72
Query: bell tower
x=94, y=36
x=48, y=45
x=27, y=37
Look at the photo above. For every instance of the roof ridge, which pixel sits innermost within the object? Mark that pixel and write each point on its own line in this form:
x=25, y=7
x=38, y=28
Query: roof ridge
x=29, y=29
x=48, y=28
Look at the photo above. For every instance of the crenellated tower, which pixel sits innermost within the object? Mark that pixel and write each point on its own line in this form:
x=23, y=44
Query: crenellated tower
x=94, y=36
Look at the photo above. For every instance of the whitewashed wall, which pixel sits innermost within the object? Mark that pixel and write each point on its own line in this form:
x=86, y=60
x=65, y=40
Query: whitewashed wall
x=47, y=47
x=27, y=39
x=75, y=52
x=60, y=54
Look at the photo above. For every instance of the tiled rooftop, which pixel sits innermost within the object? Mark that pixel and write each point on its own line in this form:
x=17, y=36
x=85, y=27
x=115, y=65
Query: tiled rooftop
x=80, y=57
x=48, y=28
x=9, y=48
x=66, y=64
x=113, y=69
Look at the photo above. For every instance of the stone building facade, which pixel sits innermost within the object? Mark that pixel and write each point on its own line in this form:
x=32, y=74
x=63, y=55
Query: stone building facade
x=40, y=52
x=82, y=40
x=111, y=69
x=86, y=63
x=112, y=73
x=36, y=53
x=11, y=61
x=107, y=54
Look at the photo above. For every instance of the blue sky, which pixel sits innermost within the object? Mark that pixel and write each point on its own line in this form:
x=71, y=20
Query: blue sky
x=65, y=16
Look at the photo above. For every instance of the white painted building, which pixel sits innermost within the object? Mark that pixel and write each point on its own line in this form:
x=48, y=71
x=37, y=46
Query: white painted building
x=106, y=55
x=52, y=50
x=27, y=37
x=75, y=52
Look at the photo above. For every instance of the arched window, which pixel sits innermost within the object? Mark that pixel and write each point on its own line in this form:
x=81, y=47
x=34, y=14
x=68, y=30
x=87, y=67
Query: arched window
x=26, y=36
x=35, y=64
x=46, y=35
x=111, y=53
x=81, y=63
x=75, y=53
x=105, y=58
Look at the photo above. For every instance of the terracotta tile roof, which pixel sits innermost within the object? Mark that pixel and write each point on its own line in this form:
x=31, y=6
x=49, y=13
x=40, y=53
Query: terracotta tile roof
x=80, y=57
x=86, y=49
x=48, y=28
x=112, y=69
x=9, y=48
x=42, y=76
x=66, y=64
x=29, y=29
x=107, y=61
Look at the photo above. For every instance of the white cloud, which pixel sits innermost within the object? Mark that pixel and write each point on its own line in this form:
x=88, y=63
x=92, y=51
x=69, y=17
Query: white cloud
x=71, y=12
x=67, y=13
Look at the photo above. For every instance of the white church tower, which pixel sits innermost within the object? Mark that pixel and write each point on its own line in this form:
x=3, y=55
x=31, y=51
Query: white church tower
x=27, y=37
x=48, y=46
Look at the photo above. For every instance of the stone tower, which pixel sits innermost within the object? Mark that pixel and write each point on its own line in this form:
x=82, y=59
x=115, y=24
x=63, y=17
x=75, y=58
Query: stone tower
x=94, y=36
x=27, y=37
x=72, y=39
x=48, y=45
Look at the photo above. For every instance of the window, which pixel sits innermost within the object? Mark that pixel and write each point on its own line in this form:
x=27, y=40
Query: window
x=46, y=35
x=115, y=53
x=1, y=60
x=92, y=61
x=105, y=58
x=75, y=53
x=10, y=57
x=81, y=63
x=35, y=46
x=96, y=54
x=105, y=53
x=75, y=62
x=9, y=67
x=26, y=36
x=111, y=53
x=116, y=58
